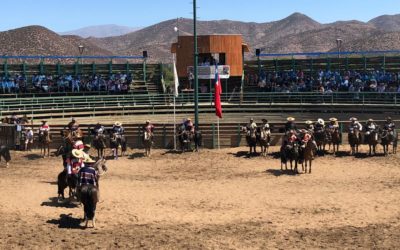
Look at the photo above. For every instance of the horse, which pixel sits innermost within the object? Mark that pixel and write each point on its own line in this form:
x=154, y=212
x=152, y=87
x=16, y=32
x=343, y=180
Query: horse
x=308, y=154
x=89, y=194
x=147, y=140
x=388, y=138
x=185, y=138
x=117, y=141
x=372, y=138
x=290, y=152
x=334, y=138
x=5, y=153
x=321, y=139
x=251, y=139
x=99, y=143
x=63, y=181
x=354, y=140
x=44, y=142
x=264, y=140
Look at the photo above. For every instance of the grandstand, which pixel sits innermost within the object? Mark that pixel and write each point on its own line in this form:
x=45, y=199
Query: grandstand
x=146, y=97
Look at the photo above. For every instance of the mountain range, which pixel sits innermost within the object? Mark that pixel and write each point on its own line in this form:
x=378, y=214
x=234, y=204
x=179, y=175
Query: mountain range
x=295, y=33
x=101, y=31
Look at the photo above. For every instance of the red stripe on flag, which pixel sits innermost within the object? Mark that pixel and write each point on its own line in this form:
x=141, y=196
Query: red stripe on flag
x=217, y=95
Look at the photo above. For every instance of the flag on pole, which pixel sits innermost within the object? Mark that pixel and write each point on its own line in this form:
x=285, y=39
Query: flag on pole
x=176, y=79
x=217, y=94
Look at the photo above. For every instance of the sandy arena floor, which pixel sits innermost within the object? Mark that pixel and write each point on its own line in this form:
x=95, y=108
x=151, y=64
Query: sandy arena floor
x=207, y=200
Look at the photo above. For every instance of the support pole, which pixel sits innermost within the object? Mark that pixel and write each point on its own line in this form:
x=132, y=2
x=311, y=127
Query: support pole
x=196, y=80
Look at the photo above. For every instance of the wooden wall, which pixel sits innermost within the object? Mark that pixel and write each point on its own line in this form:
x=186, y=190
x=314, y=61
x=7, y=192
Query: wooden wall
x=231, y=45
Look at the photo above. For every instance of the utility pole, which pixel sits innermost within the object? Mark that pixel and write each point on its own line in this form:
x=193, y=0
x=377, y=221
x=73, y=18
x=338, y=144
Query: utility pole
x=196, y=80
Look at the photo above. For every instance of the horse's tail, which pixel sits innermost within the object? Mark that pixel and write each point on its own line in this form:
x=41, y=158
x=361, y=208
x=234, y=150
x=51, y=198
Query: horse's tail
x=61, y=182
x=89, y=199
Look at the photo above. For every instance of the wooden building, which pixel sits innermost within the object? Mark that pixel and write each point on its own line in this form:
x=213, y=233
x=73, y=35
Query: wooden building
x=224, y=49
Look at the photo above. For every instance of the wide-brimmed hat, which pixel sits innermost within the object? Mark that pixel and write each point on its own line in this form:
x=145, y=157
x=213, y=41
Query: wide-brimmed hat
x=88, y=159
x=308, y=122
x=28, y=128
x=118, y=124
x=321, y=121
x=87, y=146
x=77, y=153
x=303, y=131
x=353, y=119
x=370, y=120
x=333, y=119
x=290, y=119
x=44, y=121
x=148, y=121
x=388, y=118
x=188, y=119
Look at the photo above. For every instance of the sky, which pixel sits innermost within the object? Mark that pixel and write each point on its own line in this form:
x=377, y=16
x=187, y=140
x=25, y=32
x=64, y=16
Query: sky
x=65, y=15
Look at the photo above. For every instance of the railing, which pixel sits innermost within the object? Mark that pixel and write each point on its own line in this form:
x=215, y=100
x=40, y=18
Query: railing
x=359, y=98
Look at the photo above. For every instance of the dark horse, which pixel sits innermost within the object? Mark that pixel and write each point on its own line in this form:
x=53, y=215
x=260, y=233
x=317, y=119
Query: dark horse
x=63, y=181
x=5, y=153
x=372, y=138
x=44, y=142
x=89, y=194
x=334, y=138
x=320, y=139
x=388, y=138
x=117, y=141
x=290, y=152
x=251, y=139
x=186, y=138
x=99, y=143
x=354, y=140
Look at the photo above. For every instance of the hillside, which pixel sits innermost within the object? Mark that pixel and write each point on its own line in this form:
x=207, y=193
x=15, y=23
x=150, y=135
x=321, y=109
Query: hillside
x=295, y=33
x=100, y=31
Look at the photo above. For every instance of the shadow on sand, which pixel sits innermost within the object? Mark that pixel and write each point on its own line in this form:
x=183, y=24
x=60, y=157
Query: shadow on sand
x=66, y=221
x=53, y=202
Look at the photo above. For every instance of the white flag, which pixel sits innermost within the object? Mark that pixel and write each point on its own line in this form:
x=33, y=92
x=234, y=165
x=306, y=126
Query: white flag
x=176, y=79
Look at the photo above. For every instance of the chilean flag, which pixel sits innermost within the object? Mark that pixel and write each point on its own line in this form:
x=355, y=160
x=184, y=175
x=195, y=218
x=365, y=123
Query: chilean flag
x=217, y=94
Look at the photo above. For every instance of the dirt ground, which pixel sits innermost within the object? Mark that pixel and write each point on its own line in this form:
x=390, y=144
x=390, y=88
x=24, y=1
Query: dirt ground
x=215, y=199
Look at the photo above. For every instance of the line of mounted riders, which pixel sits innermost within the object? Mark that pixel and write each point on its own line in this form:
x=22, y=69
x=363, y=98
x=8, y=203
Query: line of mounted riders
x=301, y=145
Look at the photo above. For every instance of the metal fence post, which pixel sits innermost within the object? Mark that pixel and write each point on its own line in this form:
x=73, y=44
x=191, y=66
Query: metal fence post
x=213, y=135
x=164, y=136
x=238, y=135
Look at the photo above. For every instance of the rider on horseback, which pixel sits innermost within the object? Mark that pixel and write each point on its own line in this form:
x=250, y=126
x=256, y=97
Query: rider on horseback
x=98, y=129
x=265, y=126
x=389, y=124
x=251, y=125
x=75, y=162
x=44, y=127
x=188, y=124
x=290, y=125
x=73, y=125
x=117, y=129
x=148, y=127
x=320, y=125
x=333, y=124
x=87, y=174
x=370, y=128
x=310, y=126
x=355, y=124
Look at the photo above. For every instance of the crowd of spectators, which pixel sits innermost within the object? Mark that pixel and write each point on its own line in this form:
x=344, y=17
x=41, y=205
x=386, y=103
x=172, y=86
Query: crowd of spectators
x=326, y=81
x=65, y=83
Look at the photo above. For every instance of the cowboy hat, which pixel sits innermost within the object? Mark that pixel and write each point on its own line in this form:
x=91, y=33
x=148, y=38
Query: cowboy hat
x=264, y=120
x=118, y=124
x=77, y=153
x=388, y=118
x=290, y=119
x=88, y=159
x=353, y=119
x=333, y=119
x=308, y=122
x=321, y=121
x=303, y=130
x=87, y=146
x=148, y=121
x=188, y=119
x=370, y=120
x=28, y=128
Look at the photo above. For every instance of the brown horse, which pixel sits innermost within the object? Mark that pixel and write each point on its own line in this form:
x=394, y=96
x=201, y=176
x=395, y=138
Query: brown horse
x=99, y=143
x=334, y=138
x=251, y=139
x=308, y=155
x=44, y=142
x=5, y=153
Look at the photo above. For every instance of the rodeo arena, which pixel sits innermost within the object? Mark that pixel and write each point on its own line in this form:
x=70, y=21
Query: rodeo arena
x=286, y=151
